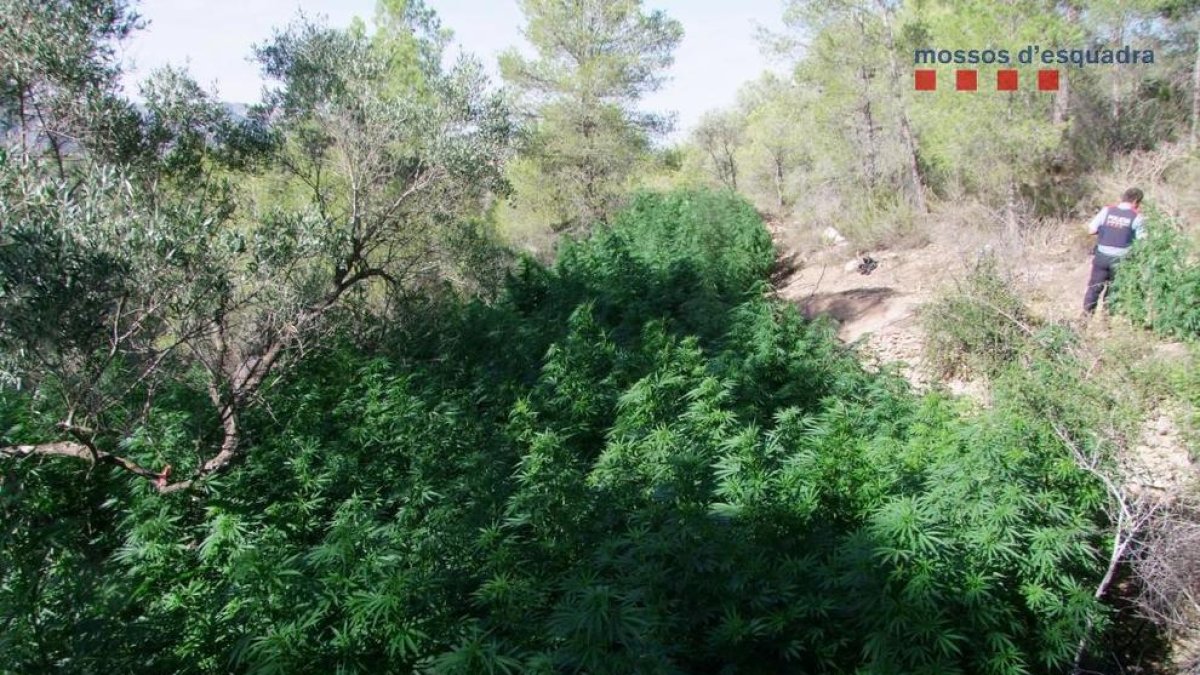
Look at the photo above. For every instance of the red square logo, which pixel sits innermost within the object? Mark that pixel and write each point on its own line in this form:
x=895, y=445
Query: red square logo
x=1047, y=80
x=966, y=80
x=1006, y=80
x=925, y=80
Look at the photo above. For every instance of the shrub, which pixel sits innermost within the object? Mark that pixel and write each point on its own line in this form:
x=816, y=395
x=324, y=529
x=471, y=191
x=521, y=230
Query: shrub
x=977, y=327
x=1158, y=285
x=1168, y=566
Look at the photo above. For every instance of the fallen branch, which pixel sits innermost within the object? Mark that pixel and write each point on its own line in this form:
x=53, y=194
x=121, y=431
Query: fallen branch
x=1132, y=515
x=83, y=452
x=77, y=451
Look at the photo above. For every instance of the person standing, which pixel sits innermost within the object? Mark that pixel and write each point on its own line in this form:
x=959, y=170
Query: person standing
x=1116, y=228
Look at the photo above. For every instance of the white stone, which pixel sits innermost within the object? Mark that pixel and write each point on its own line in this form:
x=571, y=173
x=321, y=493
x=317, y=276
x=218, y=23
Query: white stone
x=832, y=236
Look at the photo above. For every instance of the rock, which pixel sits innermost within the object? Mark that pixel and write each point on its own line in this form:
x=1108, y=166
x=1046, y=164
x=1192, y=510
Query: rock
x=832, y=236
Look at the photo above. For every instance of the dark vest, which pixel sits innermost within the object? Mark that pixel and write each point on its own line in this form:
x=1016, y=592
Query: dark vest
x=1117, y=229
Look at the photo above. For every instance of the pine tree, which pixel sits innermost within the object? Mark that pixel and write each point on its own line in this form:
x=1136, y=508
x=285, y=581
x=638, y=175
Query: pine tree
x=595, y=60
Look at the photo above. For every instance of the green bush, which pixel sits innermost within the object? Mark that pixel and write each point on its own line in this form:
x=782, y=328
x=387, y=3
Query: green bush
x=977, y=327
x=1182, y=381
x=1158, y=285
x=631, y=462
x=1158, y=288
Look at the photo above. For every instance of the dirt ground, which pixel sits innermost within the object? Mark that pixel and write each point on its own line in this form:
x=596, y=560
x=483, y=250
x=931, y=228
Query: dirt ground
x=879, y=310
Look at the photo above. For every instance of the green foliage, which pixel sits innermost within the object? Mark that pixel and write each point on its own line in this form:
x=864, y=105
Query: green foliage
x=978, y=327
x=1158, y=285
x=1184, y=382
x=988, y=146
x=595, y=59
x=630, y=462
x=1158, y=288
x=718, y=136
x=126, y=279
x=58, y=79
x=843, y=139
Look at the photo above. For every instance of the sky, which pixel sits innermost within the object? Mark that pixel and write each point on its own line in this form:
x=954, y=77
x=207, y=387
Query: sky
x=213, y=38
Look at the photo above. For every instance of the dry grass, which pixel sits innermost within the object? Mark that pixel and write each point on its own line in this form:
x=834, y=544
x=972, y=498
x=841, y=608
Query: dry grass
x=967, y=226
x=1168, y=176
x=521, y=233
x=1168, y=567
x=868, y=226
x=795, y=237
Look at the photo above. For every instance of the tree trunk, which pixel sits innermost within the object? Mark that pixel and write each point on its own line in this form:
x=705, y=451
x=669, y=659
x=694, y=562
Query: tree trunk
x=1010, y=205
x=1196, y=90
x=731, y=162
x=916, y=183
x=1062, y=98
x=1010, y=210
x=871, y=150
x=779, y=182
x=1116, y=81
x=22, y=122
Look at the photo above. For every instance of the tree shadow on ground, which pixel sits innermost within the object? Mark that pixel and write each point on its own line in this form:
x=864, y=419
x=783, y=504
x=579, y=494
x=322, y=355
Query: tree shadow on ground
x=847, y=305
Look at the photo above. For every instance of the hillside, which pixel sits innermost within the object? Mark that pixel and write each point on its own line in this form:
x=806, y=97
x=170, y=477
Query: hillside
x=631, y=461
x=878, y=310
x=403, y=370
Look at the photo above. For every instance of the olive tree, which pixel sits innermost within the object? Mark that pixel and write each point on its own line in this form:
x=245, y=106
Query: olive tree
x=58, y=70
x=120, y=285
